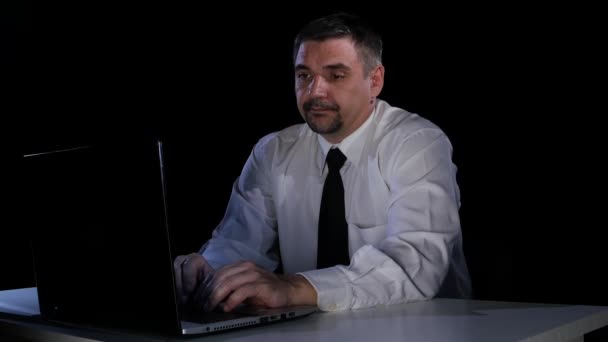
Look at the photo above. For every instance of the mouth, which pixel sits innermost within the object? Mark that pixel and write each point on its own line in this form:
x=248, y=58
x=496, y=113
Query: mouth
x=320, y=110
x=319, y=106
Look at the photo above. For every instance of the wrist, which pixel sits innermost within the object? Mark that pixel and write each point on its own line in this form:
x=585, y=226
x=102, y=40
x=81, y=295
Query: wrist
x=300, y=291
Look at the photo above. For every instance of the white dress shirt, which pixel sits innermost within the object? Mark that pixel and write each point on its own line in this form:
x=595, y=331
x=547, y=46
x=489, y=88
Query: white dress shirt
x=401, y=202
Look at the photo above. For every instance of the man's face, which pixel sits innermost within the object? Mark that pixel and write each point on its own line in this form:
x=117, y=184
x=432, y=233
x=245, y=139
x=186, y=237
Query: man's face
x=333, y=94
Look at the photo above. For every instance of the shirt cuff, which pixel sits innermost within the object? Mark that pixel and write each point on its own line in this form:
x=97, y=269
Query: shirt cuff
x=332, y=286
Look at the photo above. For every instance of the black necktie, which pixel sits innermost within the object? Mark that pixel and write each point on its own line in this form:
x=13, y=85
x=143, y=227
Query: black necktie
x=333, y=230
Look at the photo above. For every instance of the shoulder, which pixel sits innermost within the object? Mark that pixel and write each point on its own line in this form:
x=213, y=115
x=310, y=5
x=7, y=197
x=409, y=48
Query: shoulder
x=400, y=122
x=405, y=138
x=280, y=142
x=396, y=126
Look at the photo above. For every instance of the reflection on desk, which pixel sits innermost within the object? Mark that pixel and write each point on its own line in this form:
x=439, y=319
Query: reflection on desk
x=433, y=320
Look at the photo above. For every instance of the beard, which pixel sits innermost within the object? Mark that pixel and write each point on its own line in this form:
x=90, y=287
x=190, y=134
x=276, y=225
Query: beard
x=318, y=126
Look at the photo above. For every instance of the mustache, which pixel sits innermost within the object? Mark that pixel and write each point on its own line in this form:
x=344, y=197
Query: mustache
x=320, y=104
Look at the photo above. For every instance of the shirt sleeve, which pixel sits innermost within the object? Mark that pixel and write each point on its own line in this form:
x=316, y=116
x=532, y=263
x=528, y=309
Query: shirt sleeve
x=248, y=229
x=423, y=226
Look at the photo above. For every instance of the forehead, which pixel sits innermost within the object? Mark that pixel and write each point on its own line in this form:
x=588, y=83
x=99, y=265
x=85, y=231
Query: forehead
x=331, y=51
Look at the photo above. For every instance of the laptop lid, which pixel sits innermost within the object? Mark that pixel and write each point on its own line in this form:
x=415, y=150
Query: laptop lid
x=97, y=217
x=98, y=226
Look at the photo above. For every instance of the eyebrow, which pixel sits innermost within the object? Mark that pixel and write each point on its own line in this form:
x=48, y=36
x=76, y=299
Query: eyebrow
x=337, y=66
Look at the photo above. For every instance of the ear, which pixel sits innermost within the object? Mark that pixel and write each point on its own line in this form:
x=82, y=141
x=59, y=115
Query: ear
x=377, y=80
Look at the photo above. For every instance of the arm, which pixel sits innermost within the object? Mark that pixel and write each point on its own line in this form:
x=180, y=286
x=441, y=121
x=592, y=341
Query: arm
x=248, y=230
x=243, y=247
x=413, y=258
x=241, y=254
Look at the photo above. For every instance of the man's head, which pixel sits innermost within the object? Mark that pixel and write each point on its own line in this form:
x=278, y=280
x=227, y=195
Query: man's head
x=342, y=25
x=339, y=73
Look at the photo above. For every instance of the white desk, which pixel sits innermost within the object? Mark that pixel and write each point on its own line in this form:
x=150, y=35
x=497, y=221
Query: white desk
x=434, y=320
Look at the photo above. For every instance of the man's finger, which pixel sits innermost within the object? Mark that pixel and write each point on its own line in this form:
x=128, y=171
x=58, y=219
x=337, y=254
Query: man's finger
x=240, y=295
x=177, y=269
x=211, y=282
x=218, y=277
x=190, y=271
x=223, y=288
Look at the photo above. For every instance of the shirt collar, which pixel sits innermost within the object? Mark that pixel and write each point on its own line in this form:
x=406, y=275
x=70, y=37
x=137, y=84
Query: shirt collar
x=351, y=146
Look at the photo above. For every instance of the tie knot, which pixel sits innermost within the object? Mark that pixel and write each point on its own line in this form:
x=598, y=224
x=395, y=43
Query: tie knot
x=335, y=159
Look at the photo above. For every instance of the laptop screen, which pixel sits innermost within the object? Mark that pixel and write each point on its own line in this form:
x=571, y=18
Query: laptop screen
x=97, y=220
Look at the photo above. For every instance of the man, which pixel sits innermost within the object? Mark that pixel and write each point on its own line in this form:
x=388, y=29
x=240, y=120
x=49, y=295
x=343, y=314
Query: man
x=393, y=236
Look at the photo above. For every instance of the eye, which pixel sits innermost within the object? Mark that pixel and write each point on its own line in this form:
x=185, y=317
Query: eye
x=337, y=76
x=302, y=76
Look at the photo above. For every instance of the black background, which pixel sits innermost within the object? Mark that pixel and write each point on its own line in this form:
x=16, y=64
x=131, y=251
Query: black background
x=518, y=91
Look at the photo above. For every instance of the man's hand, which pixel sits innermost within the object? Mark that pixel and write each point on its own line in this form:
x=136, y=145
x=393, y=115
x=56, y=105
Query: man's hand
x=244, y=282
x=190, y=271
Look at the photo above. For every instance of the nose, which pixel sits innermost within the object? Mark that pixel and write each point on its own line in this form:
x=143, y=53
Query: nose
x=318, y=87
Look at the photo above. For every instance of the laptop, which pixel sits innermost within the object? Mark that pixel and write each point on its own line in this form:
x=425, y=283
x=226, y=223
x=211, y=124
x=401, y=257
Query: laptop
x=98, y=220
